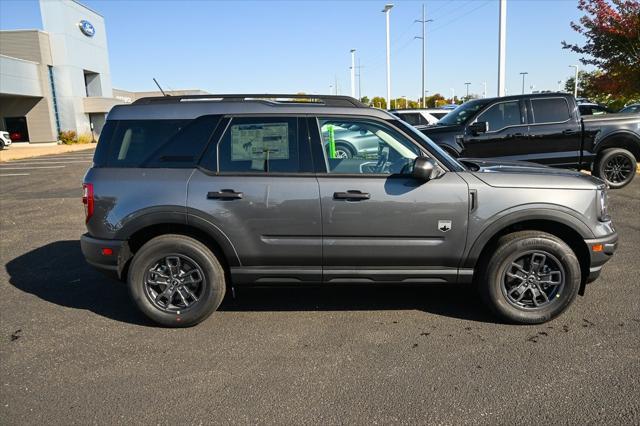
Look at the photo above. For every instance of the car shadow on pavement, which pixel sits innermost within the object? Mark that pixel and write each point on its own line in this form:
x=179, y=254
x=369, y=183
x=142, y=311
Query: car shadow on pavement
x=58, y=273
x=449, y=300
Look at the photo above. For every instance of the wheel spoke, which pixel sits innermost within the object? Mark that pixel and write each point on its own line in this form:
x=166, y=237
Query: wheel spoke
x=522, y=294
x=519, y=268
x=537, y=261
x=184, y=300
x=551, y=280
x=191, y=277
x=174, y=263
x=190, y=293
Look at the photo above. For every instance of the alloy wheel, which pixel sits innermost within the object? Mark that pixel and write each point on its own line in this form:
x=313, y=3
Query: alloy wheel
x=174, y=283
x=618, y=168
x=533, y=280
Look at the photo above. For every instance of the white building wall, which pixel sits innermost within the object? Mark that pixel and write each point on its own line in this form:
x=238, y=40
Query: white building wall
x=72, y=52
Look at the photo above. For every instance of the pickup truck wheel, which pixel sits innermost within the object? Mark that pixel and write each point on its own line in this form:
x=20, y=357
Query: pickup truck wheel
x=616, y=166
x=531, y=278
x=176, y=281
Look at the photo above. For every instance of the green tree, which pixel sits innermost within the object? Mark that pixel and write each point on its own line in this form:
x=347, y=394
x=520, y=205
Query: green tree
x=379, y=102
x=612, y=32
x=365, y=100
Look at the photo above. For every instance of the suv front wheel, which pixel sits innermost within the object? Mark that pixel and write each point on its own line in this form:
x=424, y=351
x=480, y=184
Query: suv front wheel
x=531, y=278
x=176, y=280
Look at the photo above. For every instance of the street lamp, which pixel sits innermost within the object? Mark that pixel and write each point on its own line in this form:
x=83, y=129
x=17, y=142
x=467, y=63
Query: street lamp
x=523, y=74
x=387, y=8
x=405, y=102
x=467, y=84
x=575, y=81
x=453, y=96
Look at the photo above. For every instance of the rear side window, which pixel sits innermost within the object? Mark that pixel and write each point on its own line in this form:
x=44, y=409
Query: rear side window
x=264, y=145
x=550, y=110
x=154, y=143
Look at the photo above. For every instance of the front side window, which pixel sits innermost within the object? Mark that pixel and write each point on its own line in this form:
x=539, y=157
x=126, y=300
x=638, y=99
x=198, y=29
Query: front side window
x=263, y=145
x=366, y=147
x=501, y=115
x=550, y=110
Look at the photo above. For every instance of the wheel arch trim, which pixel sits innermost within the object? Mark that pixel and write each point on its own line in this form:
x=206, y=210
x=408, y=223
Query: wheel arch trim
x=522, y=215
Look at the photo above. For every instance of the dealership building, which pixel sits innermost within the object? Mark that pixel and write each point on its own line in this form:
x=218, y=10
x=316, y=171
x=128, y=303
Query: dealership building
x=58, y=78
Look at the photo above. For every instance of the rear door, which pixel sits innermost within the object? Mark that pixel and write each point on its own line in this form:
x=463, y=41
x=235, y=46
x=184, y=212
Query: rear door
x=506, y=134
x=256, y=184
x=379, y=223
x=555, y=134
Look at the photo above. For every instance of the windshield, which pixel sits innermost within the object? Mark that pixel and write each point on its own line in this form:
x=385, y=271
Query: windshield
x=463, y=113
x=451, y=162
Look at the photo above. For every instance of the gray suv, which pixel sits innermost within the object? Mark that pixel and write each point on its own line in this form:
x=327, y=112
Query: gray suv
x=190, y=196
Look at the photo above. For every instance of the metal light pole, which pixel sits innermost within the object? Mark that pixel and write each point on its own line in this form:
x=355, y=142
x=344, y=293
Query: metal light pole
x=523, y=74
x=405, y=102
x=575, y=81
x=467, y=84
x=387, y=8
x=424, y=50
x=484, y=90
x=502, y=46
x=353, y=73
x=453, y=96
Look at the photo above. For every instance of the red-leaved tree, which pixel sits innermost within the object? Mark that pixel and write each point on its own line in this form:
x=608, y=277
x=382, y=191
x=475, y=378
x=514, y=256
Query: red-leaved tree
x=612, y=32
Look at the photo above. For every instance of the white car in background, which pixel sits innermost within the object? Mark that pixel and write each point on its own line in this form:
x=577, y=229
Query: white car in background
x=420, y=117
x=5, y=140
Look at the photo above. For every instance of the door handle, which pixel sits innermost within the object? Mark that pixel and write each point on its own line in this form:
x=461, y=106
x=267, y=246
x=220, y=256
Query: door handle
x=568, y=132
x=352, y=195
x=224, y=194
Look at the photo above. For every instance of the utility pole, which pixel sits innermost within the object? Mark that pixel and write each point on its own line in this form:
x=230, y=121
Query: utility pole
x=359, y=75
x=523, y=74
x=423, y=21
x=453, y=96
x=484, y=90
x=335, y=77
x=502, y=46
x=575, y=81
x=467, y=84
x=387, y=8
x=353, y=73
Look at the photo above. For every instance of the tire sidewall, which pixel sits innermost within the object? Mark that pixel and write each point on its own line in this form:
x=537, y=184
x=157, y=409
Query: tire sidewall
x=154, y=251
x=504, y=255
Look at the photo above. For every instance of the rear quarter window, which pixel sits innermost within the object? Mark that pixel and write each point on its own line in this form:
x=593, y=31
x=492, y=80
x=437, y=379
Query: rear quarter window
x=550, y=110
x=154, y=143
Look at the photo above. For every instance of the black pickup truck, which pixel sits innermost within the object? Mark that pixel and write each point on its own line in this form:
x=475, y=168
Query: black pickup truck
x=543, y=128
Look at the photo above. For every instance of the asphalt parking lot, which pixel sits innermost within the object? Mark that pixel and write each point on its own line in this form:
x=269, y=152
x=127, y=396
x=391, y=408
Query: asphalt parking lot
x=74, y=349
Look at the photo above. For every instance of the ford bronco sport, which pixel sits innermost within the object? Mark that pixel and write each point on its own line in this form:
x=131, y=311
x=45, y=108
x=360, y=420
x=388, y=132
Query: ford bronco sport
x=190, y=195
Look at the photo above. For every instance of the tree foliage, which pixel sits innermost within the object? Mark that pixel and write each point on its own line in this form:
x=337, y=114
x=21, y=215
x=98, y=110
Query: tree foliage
x=612, y=32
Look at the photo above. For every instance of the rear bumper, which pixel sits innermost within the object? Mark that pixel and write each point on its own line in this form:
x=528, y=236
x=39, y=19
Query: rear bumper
x=110, y=264
x=599, y=258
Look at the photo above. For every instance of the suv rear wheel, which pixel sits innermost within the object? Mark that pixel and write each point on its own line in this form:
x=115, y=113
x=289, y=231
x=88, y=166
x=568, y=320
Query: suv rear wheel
x=616, y=166
x=531, y=278
x=176, y=280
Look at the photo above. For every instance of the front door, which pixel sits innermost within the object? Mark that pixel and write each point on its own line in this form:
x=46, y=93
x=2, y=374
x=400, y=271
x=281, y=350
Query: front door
x=379, y=223
x=258, y=187
x=506, y=134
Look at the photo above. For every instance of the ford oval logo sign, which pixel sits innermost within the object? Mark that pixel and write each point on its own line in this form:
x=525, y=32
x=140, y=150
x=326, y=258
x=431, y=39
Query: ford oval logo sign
x=87, y=28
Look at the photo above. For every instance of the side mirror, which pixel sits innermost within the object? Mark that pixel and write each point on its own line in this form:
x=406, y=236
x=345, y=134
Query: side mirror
x=425, y=169
x=478, y=127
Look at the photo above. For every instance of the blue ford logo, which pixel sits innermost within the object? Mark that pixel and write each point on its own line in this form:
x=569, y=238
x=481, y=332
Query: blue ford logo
x=87, y=28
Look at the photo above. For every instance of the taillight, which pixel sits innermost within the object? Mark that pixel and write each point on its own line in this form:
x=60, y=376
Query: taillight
x=87, y=200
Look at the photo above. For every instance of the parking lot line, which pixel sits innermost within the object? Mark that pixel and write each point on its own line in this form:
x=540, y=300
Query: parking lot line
x=47, y=162
x=15, y=174
x=30, y=168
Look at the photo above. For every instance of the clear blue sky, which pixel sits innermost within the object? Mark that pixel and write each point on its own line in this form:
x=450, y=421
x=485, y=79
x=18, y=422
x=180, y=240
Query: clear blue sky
x=271, y=46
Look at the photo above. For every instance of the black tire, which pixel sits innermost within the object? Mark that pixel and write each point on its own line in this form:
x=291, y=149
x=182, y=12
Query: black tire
x=616, y=166
x=194, y=255
x=495, y=284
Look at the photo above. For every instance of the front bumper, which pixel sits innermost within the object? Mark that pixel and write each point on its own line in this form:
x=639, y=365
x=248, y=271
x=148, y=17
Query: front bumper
x=600, y=251
x=112, y=264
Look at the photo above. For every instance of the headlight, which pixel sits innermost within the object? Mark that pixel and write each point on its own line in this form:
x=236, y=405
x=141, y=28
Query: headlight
x=603, y=205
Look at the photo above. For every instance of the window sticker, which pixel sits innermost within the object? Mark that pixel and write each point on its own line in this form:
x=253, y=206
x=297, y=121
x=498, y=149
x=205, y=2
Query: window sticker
x=251, y=142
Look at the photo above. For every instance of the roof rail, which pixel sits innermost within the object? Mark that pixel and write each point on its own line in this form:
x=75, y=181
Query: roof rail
x=325, y=100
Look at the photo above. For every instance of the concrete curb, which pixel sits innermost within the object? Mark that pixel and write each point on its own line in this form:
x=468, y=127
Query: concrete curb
x=18, y=153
